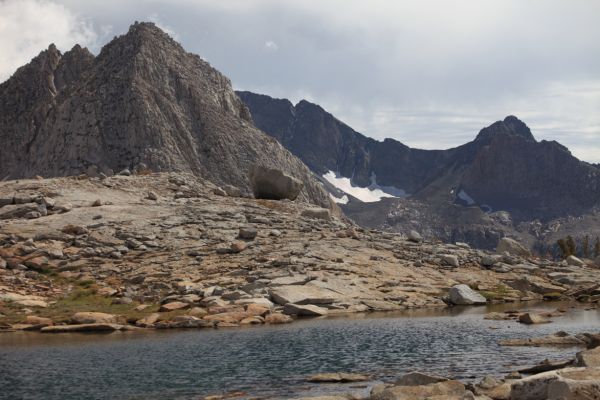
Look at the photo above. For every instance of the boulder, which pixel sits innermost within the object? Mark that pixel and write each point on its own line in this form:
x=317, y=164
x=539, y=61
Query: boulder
x=441, y=390
x=175, y=305
x=574, y=261
x=274, y=184
x=451, y=259
x=257, y=310
x=277, y=318
x=532, y=319
x=416, y=378
x=302, y=294
x=414, y=236
x=93, y=318
x=464, y=295
x=317, y=213
x=148, y=320
x=38, y=322
x=247, y=233
x=588, y=358
x=563, y=384
x=512, y=247
x=17, y=210
x=252, y=320
x=304, y=310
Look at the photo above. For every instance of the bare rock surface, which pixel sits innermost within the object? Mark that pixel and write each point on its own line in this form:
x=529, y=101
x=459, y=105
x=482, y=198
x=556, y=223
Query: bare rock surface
x=182, y=255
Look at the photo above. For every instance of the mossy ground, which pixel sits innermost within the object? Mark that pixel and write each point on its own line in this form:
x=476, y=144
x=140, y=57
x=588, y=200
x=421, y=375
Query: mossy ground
x=82, y=297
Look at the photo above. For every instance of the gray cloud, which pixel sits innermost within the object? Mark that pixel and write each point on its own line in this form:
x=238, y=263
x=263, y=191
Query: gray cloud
x=429, y=73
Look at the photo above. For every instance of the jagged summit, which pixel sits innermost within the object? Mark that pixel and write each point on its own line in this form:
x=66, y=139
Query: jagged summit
x=142, y=100
x=511, y=125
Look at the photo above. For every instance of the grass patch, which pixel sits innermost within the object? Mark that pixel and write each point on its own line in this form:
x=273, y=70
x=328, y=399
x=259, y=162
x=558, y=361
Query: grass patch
x=499, y=292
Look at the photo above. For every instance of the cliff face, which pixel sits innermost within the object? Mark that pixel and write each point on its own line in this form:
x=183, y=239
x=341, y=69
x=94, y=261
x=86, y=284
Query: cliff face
x=504, y=168
x=143, y=99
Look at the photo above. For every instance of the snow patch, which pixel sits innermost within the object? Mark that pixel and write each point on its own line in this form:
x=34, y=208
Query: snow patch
x=464, y=196
x=339, y=200
x=369, y=194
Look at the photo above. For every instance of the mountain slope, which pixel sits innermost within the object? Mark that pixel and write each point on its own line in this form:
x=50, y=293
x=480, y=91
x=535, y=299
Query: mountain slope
x=504, y=168
x=142, y=101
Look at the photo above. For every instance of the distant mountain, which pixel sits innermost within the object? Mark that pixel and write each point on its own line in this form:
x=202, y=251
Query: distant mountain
x=503, y=169
x=142, y=100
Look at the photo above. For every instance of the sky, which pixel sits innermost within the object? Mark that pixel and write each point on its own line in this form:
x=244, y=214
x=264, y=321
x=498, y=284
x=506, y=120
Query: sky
x=429, y=73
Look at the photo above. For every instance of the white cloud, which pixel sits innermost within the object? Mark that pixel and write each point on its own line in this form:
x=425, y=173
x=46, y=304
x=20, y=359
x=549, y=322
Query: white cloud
x=29, y=26
x=271, y=45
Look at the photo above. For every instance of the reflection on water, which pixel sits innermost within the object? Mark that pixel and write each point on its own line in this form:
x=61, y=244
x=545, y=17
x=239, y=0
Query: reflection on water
x=272, y=360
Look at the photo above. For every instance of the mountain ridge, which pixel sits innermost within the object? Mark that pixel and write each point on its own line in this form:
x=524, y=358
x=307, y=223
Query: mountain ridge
x=503, y=168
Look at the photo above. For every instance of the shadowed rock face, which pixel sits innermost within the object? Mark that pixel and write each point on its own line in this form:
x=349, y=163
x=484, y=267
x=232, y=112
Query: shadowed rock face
x=143, y=99
x=504, y=168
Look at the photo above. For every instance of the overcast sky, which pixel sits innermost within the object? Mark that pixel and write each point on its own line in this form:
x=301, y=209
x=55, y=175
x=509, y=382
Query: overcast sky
x=429, y=73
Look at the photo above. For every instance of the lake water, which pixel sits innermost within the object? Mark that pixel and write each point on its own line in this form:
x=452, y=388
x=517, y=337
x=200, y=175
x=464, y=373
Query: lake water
x=269, y=361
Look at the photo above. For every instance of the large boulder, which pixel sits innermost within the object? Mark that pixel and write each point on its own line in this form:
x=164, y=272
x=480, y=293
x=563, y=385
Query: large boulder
x=464, y=295
x=308, y=310
x=302, y=294
x=512, y=247
x=563, y=384
x=93, y=318
x=417, y=378
x=317, y=213
x=588, y=358
x=575, y=262
x=272, y=183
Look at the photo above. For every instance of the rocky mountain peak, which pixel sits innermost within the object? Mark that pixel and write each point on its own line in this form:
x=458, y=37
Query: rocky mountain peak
x=511, y=126
x=143, y=101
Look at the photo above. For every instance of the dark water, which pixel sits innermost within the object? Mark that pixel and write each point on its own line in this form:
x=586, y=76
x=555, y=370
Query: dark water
x=268, y=361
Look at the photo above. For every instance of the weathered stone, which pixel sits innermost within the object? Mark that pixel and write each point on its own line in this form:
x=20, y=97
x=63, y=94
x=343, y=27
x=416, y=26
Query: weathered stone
x=588, y=358
x=302, y=294
x=532, y=318
x=464, y=295
x=317, y=213
x=564, y=384
x=451, y=259
x=274, y=184
x=512, y=247
x=277, y=318
x=304, y=310
x=418, y=378
x=574, y=261
x=247, y=233
x=93, y=318
x=414, y=236
x=148, y=320
x=175, y=305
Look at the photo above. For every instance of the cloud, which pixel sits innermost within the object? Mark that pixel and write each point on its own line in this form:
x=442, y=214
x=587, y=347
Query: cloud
x=271, y=45
x=29, y=26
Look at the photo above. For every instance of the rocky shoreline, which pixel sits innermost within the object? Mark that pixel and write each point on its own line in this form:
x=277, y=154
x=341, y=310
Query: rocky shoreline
x=175, y=251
